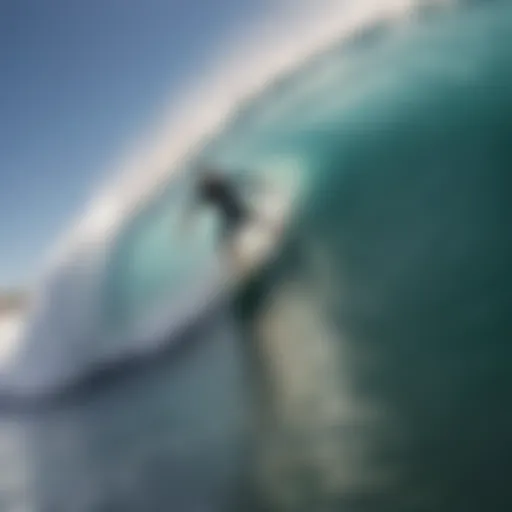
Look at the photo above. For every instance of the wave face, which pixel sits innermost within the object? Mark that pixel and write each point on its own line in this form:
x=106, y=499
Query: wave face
x=398, y=140
x=387, y=342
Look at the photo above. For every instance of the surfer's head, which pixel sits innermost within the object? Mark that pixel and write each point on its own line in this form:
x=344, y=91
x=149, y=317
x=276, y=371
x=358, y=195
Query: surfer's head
x=209, y=176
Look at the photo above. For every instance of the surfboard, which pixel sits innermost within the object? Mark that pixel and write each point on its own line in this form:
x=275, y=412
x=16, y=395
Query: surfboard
x=258, y=241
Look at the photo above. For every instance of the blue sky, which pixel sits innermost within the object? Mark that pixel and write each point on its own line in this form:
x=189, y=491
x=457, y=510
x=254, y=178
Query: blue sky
x=79, y=79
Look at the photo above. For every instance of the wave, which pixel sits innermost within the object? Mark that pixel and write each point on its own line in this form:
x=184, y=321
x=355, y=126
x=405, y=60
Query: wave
x=119, y=262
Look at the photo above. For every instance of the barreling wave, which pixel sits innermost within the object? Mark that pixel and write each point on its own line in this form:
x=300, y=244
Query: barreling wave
x=121, y=284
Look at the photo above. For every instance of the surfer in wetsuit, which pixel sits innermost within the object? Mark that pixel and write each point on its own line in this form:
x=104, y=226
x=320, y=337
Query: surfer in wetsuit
x=218, y=191
x=226, y=194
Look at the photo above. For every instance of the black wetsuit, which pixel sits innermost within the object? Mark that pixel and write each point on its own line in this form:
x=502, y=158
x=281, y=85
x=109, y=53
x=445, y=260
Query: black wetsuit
x=223, y=195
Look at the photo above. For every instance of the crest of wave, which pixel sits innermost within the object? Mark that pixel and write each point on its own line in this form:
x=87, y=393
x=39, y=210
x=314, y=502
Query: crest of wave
x=58, y=339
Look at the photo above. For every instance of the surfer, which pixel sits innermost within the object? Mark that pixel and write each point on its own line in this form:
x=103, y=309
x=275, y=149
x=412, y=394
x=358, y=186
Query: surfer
x=225, y=194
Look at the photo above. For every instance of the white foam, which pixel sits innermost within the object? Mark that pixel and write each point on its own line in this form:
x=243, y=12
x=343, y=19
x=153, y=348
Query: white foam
x=10, y=329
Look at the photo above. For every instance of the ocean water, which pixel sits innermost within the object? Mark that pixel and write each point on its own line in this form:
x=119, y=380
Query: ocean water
x=368, y=367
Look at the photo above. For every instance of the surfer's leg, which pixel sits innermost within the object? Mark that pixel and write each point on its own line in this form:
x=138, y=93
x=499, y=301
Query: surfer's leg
x=267, y=223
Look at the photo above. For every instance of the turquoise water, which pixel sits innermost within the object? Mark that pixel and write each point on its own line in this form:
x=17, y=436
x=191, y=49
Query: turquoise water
x=402, y=402
x=373, y=356
x=386, y=348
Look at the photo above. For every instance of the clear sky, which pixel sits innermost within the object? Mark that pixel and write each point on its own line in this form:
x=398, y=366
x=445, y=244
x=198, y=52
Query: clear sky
x=79, y=79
